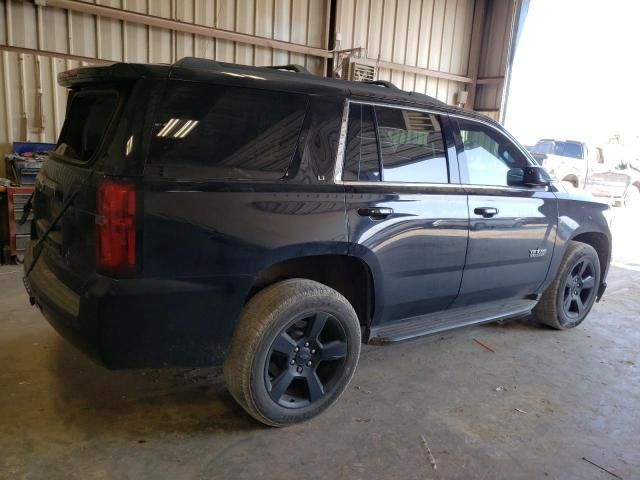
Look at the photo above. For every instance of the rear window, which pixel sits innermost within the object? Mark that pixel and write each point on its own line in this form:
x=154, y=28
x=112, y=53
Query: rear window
x=215, y=131
x=87, y=121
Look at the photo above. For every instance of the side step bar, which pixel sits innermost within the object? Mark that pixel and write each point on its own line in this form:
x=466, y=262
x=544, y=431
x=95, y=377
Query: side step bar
x=449, y=319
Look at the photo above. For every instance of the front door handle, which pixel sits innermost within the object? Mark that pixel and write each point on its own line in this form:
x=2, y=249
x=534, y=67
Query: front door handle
x=486, y=212
x=376, y=213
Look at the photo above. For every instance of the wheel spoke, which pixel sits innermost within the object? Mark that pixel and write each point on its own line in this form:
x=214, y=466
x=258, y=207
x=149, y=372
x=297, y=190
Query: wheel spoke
x=333, y=350
x=280, y=384
x=316, y=325
x=579, y=305
x=583, y=267
x=316, y=389
x=588, y=283
x=284, y=344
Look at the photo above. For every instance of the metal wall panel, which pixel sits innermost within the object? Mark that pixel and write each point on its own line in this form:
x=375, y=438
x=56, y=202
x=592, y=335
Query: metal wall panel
x=432, y=34
x=495, y=52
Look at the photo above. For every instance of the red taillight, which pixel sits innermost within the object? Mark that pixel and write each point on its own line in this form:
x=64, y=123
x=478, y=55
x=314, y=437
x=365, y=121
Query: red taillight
x=116, y=227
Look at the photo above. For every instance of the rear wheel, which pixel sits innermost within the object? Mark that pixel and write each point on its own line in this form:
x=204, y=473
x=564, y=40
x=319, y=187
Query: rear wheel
x=568, y=300
x=294, y=352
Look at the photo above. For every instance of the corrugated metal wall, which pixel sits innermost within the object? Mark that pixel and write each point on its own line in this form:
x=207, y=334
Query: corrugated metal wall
x=38, y=42
x=431, y=34
x=494, y=58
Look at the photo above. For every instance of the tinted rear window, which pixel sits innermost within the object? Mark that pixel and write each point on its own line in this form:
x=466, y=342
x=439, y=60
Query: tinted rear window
x=87, y=121
x=412, y=146
x=214, y=131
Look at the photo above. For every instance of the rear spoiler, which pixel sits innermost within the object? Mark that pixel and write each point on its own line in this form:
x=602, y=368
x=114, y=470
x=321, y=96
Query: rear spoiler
x=111, y=73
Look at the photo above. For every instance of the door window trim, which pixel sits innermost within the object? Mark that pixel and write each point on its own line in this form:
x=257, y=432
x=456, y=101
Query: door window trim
x=339, y=163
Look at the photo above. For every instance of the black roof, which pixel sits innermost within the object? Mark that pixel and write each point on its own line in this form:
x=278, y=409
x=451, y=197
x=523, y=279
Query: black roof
x=294, y=78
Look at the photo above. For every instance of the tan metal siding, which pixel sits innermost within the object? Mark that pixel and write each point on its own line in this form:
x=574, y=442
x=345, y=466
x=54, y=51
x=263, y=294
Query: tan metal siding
x=493, y=61
x=432, y=34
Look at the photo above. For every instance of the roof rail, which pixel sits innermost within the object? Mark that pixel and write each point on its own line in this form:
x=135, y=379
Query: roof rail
x=195, y=62
x=381, y=83
x=292, y=67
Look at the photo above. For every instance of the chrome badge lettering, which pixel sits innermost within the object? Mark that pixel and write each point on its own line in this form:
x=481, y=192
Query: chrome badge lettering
x=537, y=252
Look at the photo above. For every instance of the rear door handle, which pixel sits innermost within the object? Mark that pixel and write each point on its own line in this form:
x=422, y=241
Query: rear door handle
x=376, y=213
x=485, y=211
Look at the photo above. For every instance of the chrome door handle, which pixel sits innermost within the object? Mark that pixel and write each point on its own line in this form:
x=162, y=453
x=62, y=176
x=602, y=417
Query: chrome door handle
x=376, y=213
x=486, y=212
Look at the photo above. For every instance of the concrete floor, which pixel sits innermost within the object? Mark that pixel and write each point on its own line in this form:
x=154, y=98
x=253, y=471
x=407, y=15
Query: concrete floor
x=533, y=409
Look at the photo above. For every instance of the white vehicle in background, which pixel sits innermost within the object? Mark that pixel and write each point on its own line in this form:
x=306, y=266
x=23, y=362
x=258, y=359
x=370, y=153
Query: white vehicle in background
x=569, y=161
x=617, y=178
x=607, y=172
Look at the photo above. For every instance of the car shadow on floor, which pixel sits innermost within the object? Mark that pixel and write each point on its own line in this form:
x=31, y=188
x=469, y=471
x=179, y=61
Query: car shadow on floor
x=142, y=401
x=146, y=402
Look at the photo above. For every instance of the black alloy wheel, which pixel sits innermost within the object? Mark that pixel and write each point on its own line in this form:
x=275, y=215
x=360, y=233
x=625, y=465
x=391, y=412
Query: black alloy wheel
x=569, y=298
x=579, y=288
x=305, y=359
x=294, y=351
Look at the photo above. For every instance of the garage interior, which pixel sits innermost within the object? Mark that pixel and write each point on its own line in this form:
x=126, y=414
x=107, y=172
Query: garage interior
x=514, y=400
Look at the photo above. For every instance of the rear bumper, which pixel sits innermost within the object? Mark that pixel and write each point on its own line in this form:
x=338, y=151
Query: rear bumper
x=141, y=323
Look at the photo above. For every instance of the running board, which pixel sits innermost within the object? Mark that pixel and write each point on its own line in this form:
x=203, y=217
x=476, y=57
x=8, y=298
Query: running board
x=449, y=319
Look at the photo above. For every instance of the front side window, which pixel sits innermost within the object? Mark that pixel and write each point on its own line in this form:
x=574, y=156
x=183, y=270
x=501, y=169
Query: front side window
x=216, y=131
x=412, y=146
x=87, y=121
x=489, y=158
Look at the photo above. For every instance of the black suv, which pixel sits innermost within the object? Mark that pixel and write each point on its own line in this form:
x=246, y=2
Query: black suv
x=270, y=220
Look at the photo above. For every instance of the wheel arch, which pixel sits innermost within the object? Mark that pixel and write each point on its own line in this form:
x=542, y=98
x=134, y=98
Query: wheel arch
x=349, y=275
x=600, y=243
x=573, y=179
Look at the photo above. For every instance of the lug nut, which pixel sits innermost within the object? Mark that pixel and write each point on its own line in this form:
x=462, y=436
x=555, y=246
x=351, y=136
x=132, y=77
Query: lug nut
x=313, y=352
x=306, y=344
x=309, y=364
x=299, y=369
x=296, y=349
x=293, y=362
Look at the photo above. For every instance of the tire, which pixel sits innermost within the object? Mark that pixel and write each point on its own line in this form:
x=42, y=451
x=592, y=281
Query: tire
x=560, y=307
x=294, y=351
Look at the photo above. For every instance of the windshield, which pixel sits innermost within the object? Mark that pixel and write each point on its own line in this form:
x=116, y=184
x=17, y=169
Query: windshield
x=563, y=149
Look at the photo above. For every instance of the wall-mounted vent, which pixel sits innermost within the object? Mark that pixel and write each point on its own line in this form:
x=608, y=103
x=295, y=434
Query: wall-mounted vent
x=352, y=70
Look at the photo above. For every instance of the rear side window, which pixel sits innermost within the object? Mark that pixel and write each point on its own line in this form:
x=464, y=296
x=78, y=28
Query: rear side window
x=220, y=131
x=87, y=121
x=394, y=145
x=412, y=146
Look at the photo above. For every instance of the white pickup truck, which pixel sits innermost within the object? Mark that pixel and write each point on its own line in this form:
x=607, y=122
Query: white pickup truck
x=586, y=167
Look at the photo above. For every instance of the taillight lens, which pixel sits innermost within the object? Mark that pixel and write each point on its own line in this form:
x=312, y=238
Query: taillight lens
x=116, y=227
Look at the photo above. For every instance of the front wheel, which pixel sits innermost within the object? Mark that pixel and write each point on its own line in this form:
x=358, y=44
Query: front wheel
x=293, y=353
x=568, y=300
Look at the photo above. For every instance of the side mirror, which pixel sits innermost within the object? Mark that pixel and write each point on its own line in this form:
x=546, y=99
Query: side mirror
x=535, y=176
x=532, y=176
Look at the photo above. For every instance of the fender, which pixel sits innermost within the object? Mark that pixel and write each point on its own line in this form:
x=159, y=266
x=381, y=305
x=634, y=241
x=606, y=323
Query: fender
x=579, y=214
